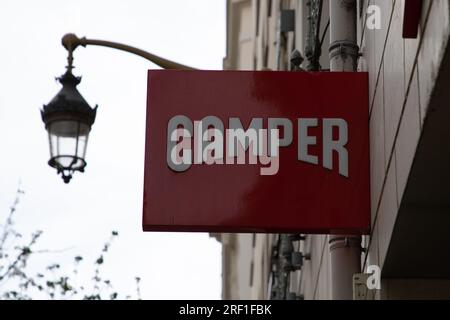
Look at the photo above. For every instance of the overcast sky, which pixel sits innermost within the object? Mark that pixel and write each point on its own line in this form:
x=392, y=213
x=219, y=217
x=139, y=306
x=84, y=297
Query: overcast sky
x=80, y=216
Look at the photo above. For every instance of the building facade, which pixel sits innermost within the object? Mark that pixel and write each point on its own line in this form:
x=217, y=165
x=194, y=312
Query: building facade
x=409, y=150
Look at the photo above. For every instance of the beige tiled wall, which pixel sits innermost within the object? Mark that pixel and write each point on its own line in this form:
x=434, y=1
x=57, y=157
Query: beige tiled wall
x=400, y=93
x=397, y=111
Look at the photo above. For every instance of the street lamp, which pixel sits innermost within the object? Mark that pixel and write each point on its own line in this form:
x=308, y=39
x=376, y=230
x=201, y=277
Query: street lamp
x=68, y=117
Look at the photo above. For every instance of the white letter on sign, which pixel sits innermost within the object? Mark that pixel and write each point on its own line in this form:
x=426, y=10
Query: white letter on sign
x=274, y=124
x=330, y=145
x=179, y=152
x=304, y=140
x=212, y=132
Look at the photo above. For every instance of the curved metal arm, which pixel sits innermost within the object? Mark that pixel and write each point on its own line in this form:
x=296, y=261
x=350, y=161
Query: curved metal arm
x=70, y=41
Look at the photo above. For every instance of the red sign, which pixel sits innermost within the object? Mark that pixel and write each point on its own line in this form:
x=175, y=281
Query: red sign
x=238, y=151
x=411, y=18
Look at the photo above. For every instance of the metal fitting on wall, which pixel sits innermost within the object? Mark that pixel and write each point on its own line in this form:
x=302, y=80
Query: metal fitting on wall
x=344, y=50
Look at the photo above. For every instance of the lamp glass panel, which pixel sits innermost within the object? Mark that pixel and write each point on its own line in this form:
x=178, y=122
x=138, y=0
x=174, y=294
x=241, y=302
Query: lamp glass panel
x=82, y=140
x=68, y=142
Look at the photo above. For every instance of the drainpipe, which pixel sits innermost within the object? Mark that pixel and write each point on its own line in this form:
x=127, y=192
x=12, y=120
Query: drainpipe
x=345, y=250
